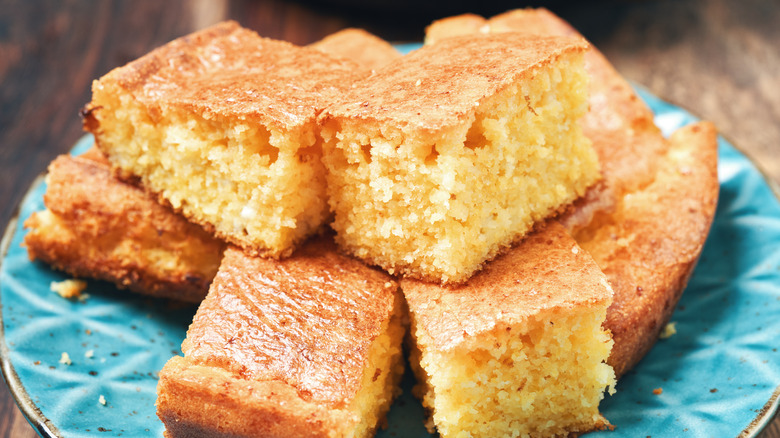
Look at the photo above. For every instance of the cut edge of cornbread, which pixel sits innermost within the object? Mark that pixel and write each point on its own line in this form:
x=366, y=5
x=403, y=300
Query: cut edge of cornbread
x=275, y=178
x=95, y=226
x=237, y=154
x=437, y=205
x=505, y=363
x=518, y=350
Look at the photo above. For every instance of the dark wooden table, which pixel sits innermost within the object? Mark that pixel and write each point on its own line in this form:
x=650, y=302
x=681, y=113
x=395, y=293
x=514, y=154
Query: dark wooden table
x=718, y=58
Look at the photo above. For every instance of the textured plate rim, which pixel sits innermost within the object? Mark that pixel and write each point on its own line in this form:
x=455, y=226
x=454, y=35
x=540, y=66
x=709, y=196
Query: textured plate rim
x=45, y=428
x=32, y=413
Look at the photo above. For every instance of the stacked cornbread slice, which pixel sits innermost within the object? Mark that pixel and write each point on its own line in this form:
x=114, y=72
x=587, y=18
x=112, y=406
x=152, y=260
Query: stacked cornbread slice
x=221, y=125
x=440, y=161
x=309, y=346
x=360, y=46
x=96, y=226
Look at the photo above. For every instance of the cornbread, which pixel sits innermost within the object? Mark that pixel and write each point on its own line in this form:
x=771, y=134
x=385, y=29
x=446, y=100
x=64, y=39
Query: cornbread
x=360, y=46
x=96, y=226
x=649, y=246
x=519, y=350
x=439, y=161
x=628, y=143
x=457, y=25
x=309, y=346
x=220, y=124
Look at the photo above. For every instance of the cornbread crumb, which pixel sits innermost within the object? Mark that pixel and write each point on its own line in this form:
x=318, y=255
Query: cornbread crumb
x=65, y=359
x=669, y=330
x=69, y=289
x=658, y=391
x=102, y=400
x=433, y=194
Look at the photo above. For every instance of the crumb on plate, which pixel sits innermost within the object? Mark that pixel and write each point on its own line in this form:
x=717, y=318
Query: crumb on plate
x=65, y=359
x=70, y=288
x=668, y=331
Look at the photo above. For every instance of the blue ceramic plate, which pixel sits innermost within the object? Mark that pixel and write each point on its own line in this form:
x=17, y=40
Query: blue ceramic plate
x=720, y=374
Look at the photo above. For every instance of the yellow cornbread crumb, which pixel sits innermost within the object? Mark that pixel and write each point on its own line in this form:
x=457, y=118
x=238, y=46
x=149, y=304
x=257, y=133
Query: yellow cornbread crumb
x=668, y=331
x=68, y=288
x=65, y=359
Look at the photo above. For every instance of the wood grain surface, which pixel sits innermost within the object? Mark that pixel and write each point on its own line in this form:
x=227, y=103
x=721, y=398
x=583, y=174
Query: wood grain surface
x=718, y=58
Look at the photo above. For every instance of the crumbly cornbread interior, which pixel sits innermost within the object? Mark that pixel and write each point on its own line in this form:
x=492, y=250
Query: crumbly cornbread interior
x=545, y=377
x=436, y=206
x=381, y=376
x=264, y=185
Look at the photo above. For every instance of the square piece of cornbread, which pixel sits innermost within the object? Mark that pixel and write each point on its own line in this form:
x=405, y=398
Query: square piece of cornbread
x=519, y=350
x=309, y=346
x=442, y=159
x=221, y=125
x=95, y=226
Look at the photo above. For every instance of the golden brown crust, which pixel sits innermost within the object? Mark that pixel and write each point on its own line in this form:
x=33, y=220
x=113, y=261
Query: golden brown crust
x=101, y=228
x=438, y=85
x=453, y=26
x=230, y=72
x=546, y=271
x=203, y=401
x=649, y=246
x=248, y=325
x=360, y=46
x=282, y=348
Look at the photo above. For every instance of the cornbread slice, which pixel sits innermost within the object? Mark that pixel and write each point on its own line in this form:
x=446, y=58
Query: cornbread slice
x=220, y=124
x=649, y=246
x=96, y=226
x=360, y=46
x=309, y=346
x=519, y=350
x=628, y=143
x=444, y=158
x=457, y=25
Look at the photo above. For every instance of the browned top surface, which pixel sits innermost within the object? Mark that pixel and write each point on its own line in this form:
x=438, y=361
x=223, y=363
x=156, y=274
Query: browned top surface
x=438, y=85
x=453, y=26
x=307, y=320
x=546, y=271
x=360, y=46
x=229, y=71
x=649, y=246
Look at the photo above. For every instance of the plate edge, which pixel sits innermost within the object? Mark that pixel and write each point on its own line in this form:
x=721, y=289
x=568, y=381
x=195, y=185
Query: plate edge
x=29, y=409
